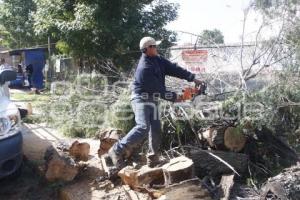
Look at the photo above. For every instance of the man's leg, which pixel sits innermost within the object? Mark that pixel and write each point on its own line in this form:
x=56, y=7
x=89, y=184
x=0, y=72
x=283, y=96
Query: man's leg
x=154, y=139
x=29, y=81
x=139, y=133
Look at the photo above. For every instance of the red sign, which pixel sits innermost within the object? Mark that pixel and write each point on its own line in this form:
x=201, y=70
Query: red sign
x=195, y=55
x=195, y=60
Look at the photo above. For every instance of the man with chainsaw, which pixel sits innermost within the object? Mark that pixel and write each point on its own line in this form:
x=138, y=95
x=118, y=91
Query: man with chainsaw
x=148, y=86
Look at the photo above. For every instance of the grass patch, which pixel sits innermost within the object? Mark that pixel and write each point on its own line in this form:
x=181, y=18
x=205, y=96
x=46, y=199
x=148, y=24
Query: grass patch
x=34, y=99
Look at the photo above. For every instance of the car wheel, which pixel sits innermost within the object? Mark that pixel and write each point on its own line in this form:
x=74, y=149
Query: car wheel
x=16, y=174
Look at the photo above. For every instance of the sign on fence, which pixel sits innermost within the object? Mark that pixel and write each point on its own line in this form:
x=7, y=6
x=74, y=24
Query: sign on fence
x=195, y=60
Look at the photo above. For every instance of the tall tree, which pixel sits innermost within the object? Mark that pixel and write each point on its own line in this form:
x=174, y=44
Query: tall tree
x=285, y=13
x=104, y=28
x=210, y=37
x=17, y=23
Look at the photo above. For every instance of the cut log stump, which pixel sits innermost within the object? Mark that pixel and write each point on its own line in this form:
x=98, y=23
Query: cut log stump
x=59, y=166
x=80, y=151
x=234, y=139
x=178, y=169
x=144, y=176
x=207, y=162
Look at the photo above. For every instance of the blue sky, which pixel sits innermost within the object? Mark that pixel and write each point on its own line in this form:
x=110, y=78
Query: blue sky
x=226, y=15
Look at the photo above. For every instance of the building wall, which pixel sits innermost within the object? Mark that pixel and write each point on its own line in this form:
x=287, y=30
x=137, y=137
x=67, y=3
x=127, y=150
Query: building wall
x=7, y=57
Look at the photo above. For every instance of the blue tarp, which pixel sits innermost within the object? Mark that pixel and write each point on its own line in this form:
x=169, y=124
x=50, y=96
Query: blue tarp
x=36, y=57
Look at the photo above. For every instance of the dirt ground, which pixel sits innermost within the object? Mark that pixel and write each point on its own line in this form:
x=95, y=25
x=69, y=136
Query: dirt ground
x=27, y=186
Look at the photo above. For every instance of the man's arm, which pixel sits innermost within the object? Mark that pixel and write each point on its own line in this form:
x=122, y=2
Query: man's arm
x=174, y=70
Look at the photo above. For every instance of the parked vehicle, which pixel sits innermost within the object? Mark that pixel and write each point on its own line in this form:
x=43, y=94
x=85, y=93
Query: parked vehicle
x=11, y=140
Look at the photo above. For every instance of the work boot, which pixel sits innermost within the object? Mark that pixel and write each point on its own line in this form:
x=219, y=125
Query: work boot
x=155, y=161
x=117, y=159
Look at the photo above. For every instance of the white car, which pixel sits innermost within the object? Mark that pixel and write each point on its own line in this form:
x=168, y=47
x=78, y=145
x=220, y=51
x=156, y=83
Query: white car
x=11, y=140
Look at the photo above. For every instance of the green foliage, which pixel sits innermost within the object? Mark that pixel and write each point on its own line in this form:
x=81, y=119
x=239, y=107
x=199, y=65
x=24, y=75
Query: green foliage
x=73, y=115
x=211, y=37
x=5, y=37
x=104, y=28
x=177, y=127
x=76, y=108
x=17, y=23
x=63, y=47
x=120, y=115
x=80, y=108
x=277, y=106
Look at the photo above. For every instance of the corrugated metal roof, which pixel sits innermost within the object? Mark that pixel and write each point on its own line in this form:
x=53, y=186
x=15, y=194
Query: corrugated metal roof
x=17, y=51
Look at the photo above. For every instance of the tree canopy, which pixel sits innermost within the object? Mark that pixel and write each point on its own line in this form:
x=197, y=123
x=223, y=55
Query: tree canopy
x=17, y=23
x=209, y=37
x=109, y=29
x=103, y=28
x=283, y=13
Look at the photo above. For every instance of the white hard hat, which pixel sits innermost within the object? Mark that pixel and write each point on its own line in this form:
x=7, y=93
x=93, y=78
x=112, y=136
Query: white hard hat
x=148, y=41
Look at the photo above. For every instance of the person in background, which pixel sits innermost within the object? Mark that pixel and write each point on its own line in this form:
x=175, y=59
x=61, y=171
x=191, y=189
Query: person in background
x=5, y=66
x=20, y=70
x=29, y=71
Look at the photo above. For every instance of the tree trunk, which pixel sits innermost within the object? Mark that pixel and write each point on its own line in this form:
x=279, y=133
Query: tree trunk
x=207, y=164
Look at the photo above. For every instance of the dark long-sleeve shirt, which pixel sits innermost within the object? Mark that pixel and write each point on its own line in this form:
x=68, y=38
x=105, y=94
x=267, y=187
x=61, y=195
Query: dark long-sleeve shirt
x=150, y=77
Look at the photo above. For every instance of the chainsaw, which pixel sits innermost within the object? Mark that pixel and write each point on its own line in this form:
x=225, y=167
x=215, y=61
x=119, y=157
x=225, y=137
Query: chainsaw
x=190, y=93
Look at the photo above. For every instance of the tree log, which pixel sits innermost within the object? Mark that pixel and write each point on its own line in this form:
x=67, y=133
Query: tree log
x=178, y=169
x=144, y=176
x=59, y=165
x=277, y=145
x=207, y=164
x=107, y=139
x=80, y=151
x=283, y=186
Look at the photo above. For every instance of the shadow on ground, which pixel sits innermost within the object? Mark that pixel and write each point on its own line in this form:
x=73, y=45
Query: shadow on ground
x=27, y=186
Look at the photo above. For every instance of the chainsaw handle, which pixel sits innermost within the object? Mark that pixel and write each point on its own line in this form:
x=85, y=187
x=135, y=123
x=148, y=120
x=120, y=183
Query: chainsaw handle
x=201, y=87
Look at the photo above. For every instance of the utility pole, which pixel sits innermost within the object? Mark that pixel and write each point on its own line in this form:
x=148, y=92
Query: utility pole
x=49, y=72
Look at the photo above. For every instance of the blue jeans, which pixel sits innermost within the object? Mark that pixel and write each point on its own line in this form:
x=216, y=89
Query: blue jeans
x=147, y=126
